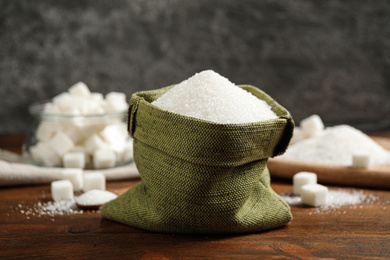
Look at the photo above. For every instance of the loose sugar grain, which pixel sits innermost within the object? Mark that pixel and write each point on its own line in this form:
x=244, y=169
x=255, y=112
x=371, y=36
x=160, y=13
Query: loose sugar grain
x=210, y=96
x=50, y=209
x=336, y=145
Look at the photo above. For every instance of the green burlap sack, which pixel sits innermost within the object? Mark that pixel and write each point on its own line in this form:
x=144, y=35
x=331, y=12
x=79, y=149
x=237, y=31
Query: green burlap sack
x=201, y=177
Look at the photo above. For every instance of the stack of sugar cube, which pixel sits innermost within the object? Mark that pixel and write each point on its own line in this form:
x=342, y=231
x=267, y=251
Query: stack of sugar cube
x=83, y=130
x=312, y=194
x=74, y=180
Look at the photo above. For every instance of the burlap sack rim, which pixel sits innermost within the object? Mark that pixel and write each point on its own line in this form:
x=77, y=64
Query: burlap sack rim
x=142, y=96
x=279, y=130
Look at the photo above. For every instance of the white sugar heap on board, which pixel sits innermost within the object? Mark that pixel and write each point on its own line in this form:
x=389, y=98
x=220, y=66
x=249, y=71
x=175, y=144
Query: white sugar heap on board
x=210, y=96
x=336, y=145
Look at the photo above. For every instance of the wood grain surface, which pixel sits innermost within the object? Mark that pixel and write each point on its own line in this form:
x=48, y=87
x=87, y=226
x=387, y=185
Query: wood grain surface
x=359, y=231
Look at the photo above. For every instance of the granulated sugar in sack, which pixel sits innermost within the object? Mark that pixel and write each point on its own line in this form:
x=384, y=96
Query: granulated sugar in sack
x=336, y=145
x=210, y=96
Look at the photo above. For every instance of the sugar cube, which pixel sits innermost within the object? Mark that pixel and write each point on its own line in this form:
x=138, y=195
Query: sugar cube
x=74, y=160
x=127, y=154
x=298, y=135
x=94, y=181
x=97, y=97
x=87, y=130
x=71, y=111
x=61, y=143
x=79, y=89
x=73, y=132
x=116, y=101
x=314, y=195
x=115, y=135
x=46, y=130
x=62, y=190
x=116, y=97
x=81, y=149
x=94, y=107
x=312, y=126
x=62, y=101
x=75, y=176
x=50, y=108
x=43, y=154
x=303, y=178
x=94, y=143
x=104, y=158
x=79, y=103
x=361, y=160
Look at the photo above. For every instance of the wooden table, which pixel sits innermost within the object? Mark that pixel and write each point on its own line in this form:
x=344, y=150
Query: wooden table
x=360, y=231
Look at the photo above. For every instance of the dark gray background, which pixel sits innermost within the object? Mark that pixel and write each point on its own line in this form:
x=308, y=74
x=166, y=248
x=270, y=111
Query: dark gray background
x=326, y=57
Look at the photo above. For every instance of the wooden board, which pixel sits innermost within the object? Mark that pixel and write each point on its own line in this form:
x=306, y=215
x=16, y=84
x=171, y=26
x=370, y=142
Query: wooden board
x=373, y=177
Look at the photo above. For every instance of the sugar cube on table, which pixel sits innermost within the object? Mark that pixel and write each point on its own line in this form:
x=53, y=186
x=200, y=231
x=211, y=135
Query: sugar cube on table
x=61, y=143
x=104, y=158
x=303, y=178
x=94, y=181
x=312, y=126
x=314, y=195
x=62, y=190
x=361, y=160
x=74, y=160
x=75, y=176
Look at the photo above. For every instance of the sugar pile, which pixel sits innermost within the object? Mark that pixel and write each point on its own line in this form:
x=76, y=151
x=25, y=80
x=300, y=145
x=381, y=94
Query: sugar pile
x=95, y=197
x=336, y=145
x=210, y=96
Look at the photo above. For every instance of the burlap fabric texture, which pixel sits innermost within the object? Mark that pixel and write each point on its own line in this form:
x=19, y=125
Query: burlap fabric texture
x=200, y=177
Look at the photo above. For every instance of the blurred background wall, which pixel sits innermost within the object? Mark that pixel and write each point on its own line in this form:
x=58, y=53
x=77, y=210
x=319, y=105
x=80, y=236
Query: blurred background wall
x=331, y=57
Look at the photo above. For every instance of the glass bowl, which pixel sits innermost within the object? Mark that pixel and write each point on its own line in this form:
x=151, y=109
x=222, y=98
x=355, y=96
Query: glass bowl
x=93, y=141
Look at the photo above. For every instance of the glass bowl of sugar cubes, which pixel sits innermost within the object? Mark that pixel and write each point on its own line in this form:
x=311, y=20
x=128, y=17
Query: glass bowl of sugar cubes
x=80, y=129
